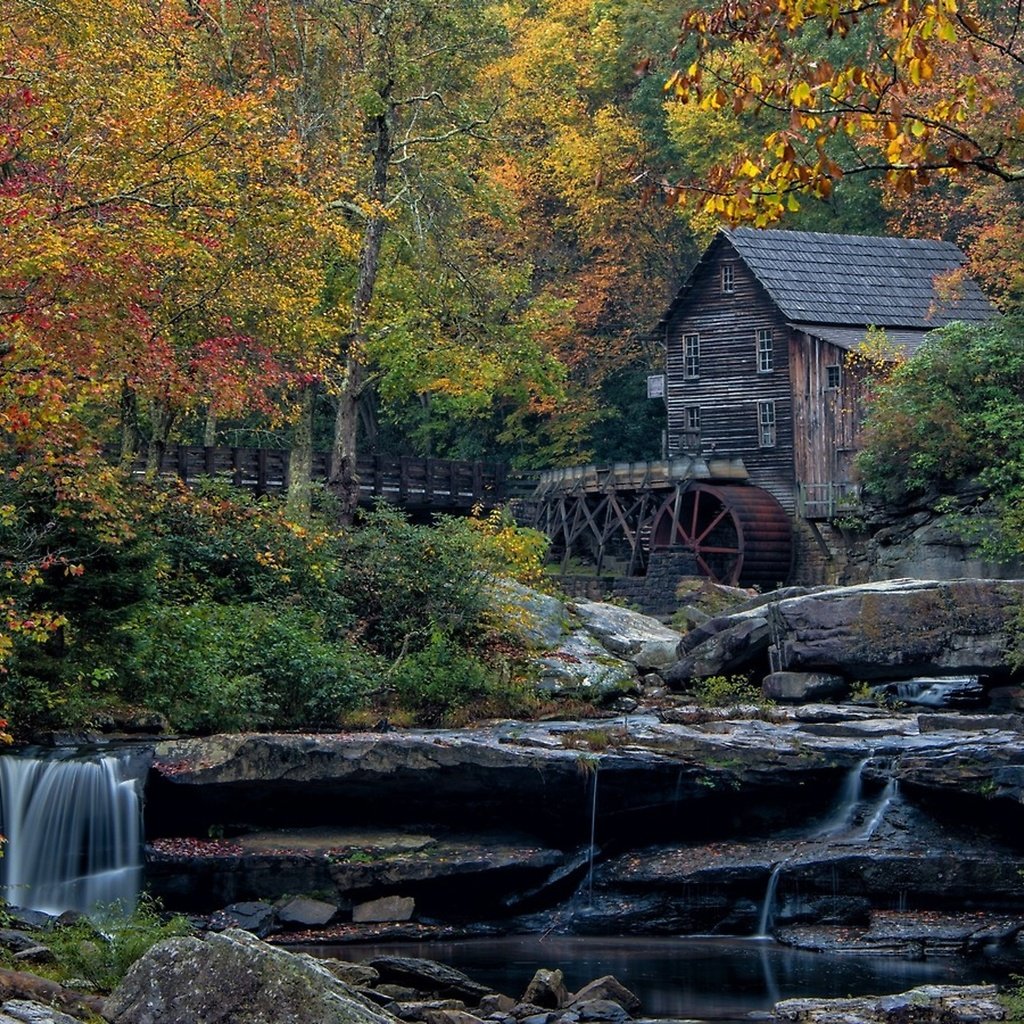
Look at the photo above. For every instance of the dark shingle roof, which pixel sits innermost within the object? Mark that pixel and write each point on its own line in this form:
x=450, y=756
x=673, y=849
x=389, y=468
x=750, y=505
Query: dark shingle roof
x=907, y=340
x=859, y=279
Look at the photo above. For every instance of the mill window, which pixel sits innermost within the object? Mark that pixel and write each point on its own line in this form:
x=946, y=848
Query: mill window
x=766, y=424
x=765, y=351
x=691, y=356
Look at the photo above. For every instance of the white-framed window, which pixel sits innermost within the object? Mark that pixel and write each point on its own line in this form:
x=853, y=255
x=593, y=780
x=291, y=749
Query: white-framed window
x=765, y=350
x=766, y=423
x=691, y=356
x=833, y=376
x=728, y=279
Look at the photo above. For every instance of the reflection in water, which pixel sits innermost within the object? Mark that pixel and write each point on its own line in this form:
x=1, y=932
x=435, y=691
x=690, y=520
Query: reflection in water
x=703, y=978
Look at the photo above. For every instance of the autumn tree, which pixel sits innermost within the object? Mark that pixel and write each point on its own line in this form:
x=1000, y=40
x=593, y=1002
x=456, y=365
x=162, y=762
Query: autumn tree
x=906, y=90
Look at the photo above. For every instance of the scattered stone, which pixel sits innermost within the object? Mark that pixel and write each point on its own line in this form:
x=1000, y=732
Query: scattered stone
x=547, y=990
x=387, y=908
x=258, y=918
x=356, y=975
x=608, y=988
x=928, y=1004
x=24, y=1011
x=29, y=920
x=22, y=986
x=449, y=1016
x=599, y=1010
x=429, y=976
x=725, y=644
x=803, y=687
x=495, y=1003
x=398, y=993
x=16, y=940
x=540, y=1018
x=178, y=980
x=416, y=1009
x=36, y=954
x=303, y=912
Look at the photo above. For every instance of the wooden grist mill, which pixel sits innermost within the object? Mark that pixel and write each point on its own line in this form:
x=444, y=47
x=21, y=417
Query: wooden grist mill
x=702, y=514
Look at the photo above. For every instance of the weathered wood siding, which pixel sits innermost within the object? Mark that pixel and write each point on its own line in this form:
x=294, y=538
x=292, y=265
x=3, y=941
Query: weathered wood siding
x=825, y=419
x=730, y=386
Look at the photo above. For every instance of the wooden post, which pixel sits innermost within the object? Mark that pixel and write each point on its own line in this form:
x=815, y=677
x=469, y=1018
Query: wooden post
x=453, y=481
x=210, y=460
x=478, y=481
x=182, y=455
x=403, y=479
x=378, y=475
x=236, y=467
x=261, y=471
x=428, y=482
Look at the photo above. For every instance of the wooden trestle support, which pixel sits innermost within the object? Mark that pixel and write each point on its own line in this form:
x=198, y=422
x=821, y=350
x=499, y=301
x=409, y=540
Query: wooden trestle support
x=735, y=532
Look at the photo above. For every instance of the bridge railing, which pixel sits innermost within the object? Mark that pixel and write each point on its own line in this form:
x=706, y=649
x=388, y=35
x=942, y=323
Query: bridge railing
x=405, y=480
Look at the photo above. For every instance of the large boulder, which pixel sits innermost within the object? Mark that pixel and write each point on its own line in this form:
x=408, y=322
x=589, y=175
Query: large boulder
x=581, y=667
x=725, y=644
x=636, y=638
x=249, y=982
x=898, y=629
x=538, y=619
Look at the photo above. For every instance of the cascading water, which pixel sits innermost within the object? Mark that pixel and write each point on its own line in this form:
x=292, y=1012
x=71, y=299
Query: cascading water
x=846, y=803
x=889, y=794
x=74, y=832
x=764, y=923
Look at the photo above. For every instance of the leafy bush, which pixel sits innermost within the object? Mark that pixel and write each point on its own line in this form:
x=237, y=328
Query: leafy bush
x=724, y=691
x=953, y=410
x=439, y=680
x=212, y=667
x=100, y=950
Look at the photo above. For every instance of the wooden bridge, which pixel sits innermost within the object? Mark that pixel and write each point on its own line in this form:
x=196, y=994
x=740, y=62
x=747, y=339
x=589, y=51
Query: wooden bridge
x=442, y=485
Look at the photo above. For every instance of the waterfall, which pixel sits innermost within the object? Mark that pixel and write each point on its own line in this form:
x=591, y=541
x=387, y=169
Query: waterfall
x=767, y=908
x=846, y=803
x=891, y=791
x=74, y=832
x=593, y=834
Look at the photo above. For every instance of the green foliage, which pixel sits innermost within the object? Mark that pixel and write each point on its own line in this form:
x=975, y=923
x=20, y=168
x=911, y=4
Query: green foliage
x=725, y=691
x=213, y=667
x=954, y=410
x=412, y=583
x=439, y=680
x=99, y=950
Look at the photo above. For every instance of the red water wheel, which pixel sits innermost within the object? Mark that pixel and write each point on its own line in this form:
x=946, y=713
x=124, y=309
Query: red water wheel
x=738, y=534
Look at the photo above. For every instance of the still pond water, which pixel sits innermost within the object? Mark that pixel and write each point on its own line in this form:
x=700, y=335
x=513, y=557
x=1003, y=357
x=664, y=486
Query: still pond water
x=702, y=978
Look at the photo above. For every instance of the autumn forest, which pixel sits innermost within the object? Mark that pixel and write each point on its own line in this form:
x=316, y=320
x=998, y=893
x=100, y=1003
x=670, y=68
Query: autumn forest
x=414, y=227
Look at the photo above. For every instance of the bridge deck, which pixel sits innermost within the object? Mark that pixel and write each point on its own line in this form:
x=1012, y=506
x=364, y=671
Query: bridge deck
x=413, y=483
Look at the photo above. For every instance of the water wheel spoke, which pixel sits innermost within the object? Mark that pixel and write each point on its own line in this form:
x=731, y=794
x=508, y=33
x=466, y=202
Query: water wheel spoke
x=708, y=571
x=722, y=513
x=693, y=517
x=709, y=549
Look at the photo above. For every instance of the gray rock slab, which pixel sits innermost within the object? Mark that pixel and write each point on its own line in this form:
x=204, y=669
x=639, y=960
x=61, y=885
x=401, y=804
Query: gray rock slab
x=635, y=638
x=387, y=908
x=303, y=912
x=803, y=687
x=581, y=666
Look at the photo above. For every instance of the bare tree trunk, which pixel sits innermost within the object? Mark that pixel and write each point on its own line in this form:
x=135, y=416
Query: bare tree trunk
x=162, y=419
x=300, y=463
x=344, y=476
x=129, y=424
x=210, y=428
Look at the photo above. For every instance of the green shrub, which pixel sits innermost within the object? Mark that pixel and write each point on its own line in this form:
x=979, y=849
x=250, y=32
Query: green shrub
x=213, y=667
x=439, y=680
x=99, y=950
x=724, y=691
